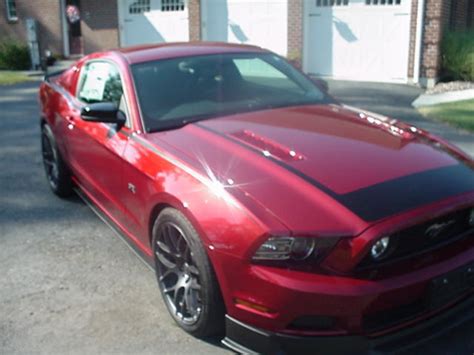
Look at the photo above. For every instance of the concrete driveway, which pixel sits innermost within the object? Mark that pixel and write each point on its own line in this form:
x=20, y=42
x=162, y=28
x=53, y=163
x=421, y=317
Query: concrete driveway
x=68, y=284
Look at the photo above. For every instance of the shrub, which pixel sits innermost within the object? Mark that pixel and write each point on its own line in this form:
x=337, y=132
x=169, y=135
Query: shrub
x=458, y=55
x=14, y=56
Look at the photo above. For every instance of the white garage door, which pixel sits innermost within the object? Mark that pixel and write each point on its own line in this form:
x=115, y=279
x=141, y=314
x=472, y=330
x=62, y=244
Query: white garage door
x=152, y=21
x=357, y=39
x=259, y=22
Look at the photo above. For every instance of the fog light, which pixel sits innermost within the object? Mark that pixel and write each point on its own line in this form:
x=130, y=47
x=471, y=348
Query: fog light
x=380, y=247
x=471, y=218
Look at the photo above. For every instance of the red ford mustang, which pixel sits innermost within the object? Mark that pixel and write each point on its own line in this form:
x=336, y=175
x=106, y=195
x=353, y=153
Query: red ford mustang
x=268, y=209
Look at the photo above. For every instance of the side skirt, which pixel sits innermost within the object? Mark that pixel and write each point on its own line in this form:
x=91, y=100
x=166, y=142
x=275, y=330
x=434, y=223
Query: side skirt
x=148, y=261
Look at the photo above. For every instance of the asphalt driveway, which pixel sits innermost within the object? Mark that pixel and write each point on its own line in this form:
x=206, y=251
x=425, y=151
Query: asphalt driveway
x=69, y=285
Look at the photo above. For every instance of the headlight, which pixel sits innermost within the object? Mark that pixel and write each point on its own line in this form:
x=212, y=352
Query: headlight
x=380, y=248
x=471, y=218
x=293, y=248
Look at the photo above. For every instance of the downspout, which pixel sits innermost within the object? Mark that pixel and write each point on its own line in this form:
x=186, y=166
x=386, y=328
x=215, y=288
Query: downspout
x=420, y=24
x=64, y=27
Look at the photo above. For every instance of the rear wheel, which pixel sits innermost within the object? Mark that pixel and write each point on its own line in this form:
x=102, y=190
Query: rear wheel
x=185, y=276
x=56, y=170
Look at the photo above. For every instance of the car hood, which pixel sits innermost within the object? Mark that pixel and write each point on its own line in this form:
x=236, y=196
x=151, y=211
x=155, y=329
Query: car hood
x=324, y=165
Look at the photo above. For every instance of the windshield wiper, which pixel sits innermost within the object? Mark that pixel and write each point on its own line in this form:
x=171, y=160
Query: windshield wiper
x=175, y=124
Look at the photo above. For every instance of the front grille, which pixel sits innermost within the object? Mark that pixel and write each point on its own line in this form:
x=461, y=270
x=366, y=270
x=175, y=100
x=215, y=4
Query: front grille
x=424, y=238
x=313, y=323
x=394, y=316
x=439, y=292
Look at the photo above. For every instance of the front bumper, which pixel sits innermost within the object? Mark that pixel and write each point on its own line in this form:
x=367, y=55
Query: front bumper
x=246, y=339
x=277, y=300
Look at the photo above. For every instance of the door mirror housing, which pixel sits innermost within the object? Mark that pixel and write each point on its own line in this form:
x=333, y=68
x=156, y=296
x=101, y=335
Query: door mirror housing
x=106, y=112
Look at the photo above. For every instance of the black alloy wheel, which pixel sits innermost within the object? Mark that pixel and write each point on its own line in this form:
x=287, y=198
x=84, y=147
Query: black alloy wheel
x=179, y=277
x=50, y=160
x=185, y=275
x=57, y=172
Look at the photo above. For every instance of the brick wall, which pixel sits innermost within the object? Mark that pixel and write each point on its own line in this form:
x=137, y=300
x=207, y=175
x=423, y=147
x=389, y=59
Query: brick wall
x=46, y=12
x=436, y=15
x=295, y=31
x=194, y=10
x=99, y=25
x=412, y=48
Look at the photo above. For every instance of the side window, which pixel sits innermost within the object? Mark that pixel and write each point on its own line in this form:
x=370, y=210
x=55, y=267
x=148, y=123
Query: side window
x=101, y=83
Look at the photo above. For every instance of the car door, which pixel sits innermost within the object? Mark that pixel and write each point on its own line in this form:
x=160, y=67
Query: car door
x=95, y=149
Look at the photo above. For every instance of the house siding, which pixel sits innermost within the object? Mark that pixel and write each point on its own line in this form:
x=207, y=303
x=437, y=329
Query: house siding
x=99, y=25
x=48, y=15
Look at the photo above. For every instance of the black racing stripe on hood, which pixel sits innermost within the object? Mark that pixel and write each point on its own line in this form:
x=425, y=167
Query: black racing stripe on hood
x=393, y=196
x=408, y=192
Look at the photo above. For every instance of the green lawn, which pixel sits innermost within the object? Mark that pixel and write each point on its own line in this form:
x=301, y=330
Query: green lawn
x=12, y=77
x=460, y=114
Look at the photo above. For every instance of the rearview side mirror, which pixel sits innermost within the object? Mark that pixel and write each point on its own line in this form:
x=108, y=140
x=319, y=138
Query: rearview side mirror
x=107, y=112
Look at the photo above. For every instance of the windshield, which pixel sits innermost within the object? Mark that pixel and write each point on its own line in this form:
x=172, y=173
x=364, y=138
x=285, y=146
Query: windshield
x=173, y=92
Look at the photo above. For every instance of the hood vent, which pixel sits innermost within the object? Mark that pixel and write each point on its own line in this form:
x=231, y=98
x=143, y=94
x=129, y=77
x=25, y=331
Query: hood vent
x=267, y=146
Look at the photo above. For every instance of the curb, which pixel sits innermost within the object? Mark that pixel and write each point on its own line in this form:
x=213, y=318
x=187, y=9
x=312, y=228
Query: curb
x=435, y=99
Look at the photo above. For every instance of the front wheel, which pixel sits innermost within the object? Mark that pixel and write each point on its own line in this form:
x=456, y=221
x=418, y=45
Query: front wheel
x=186, y=279
x=57, y=173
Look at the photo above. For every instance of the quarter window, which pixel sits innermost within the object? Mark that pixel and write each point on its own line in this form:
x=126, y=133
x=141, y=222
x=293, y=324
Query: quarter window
x=11, y=10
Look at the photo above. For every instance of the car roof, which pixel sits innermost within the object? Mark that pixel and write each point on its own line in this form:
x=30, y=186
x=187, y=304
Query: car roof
x=145, y=53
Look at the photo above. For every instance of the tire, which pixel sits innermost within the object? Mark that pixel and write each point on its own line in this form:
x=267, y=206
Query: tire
x=185, y=276
x=57, y=173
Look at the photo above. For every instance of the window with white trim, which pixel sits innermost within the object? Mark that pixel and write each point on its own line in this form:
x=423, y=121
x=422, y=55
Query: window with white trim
x=325, y=3
x=172, y=5
x=11, y=10
x=139, y=7
x=383, y=2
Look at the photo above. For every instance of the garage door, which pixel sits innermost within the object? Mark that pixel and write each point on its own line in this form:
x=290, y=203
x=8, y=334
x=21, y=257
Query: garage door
x=152, y=21
x=357, y=39
x=258, y=22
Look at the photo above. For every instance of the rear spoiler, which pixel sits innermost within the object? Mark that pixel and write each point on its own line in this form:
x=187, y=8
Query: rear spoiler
x=48, y=76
